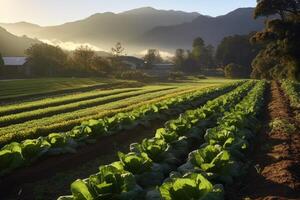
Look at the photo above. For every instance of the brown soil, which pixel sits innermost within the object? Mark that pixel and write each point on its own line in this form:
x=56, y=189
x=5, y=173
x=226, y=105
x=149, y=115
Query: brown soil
x=275, y=171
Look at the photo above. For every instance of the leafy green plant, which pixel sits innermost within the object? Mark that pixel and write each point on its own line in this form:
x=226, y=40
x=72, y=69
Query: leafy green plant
x=68, y=142
x=192, y=186
x=291, y=88
x=155, y=148
x=33, y=149
x=216, y=162
x=109, y=183
x=10, y=157
x=135, y=163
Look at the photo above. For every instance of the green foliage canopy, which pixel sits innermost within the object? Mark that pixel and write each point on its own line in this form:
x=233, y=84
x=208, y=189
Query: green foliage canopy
x=281, y=57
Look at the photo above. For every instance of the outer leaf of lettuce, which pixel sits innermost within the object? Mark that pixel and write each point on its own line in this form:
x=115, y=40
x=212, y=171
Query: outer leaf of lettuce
x=32, y=149
x=192, y=186
x=135, y=163
x=11, y=157
x=80, y=191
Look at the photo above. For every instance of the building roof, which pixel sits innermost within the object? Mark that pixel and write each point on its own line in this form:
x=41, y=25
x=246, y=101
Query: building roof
x=132, y=59
x=14, y=61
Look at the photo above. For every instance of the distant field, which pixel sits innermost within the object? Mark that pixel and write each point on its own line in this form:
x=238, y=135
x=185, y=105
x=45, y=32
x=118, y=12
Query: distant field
x=60, y=112
x=13, y=89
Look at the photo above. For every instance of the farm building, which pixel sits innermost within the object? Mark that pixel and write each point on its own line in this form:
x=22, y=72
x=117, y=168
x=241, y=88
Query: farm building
x=15, y=67
x=133, y=62
x=160, y=69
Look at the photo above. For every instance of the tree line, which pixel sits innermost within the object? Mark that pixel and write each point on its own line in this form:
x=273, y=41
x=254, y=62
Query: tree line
x=45, y=60
x=234, y=55
x=48, y=60
x=269, y=54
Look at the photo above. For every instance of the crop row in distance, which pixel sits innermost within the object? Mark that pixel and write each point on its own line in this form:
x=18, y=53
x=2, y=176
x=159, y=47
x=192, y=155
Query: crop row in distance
x=57, y=101
x=30, y=150
x=66, y=121
x=151, y=162
x=20, y=89
x=50, y=111
x=292, y=90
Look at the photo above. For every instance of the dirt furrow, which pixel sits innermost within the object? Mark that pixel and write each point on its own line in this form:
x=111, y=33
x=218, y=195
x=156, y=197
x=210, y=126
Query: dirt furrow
x=274, y=172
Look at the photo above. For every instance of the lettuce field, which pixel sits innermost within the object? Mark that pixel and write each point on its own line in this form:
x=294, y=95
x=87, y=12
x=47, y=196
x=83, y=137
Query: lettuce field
x=207, y=140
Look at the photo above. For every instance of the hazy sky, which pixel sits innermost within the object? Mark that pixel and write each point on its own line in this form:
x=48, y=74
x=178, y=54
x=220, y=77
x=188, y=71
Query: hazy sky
x=51, y=12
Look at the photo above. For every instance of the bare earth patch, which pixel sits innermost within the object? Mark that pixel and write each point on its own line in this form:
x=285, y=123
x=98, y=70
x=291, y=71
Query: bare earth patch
x=274, y=173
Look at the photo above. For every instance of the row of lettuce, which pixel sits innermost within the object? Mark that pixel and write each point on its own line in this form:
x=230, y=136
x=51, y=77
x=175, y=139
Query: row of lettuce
x=16, y=155
x=217, y=134
x=292, y=90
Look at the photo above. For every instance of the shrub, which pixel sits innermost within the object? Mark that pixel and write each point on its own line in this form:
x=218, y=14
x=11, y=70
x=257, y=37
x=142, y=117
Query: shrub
x=176, y=75
x=201, y=77
x=133, y=75
x=234, y=71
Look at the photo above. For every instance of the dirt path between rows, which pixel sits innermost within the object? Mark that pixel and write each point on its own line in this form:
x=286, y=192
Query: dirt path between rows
x=275, y=171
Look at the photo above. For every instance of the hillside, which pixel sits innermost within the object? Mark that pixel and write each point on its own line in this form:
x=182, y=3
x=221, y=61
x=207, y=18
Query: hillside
x=144, y=28
x=11, y=45
x=211, y=29
x=105, y=29
x=21, y=28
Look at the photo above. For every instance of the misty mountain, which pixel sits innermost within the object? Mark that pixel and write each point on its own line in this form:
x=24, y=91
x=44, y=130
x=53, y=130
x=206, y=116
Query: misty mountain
x=105, y=29
x=211, y=29
x=21, y=28
x=12, y=45
x=144, y=28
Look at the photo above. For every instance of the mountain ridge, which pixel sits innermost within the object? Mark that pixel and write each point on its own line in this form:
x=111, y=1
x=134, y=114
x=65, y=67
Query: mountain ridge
x=147, y=27
x=12, y=45
x=211, y=29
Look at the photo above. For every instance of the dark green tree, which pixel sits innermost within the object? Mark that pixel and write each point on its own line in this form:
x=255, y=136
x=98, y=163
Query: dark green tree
x=152, y=57
x=179, y=59
x=101, y=65
x=281, y=38
x=190, y=65
x=82, y=60
x=203, y=55
x=117, y=51
x=46, y=60
x=237, y=49
x=233, y=70
x=280, y=7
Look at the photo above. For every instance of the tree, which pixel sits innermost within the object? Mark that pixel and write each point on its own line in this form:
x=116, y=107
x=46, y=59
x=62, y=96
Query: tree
x=209, y=56
x=101, y=65
x=233, y=70
x=198, y=42
x=280, y=7
x=190, y=65
x=117, y=50
x=237, y=49
x=203, y=55
x=198, y=51
x=152, y=57
x=46, y=60
x=281, y=37
x=83, y=59
x=179, y=59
